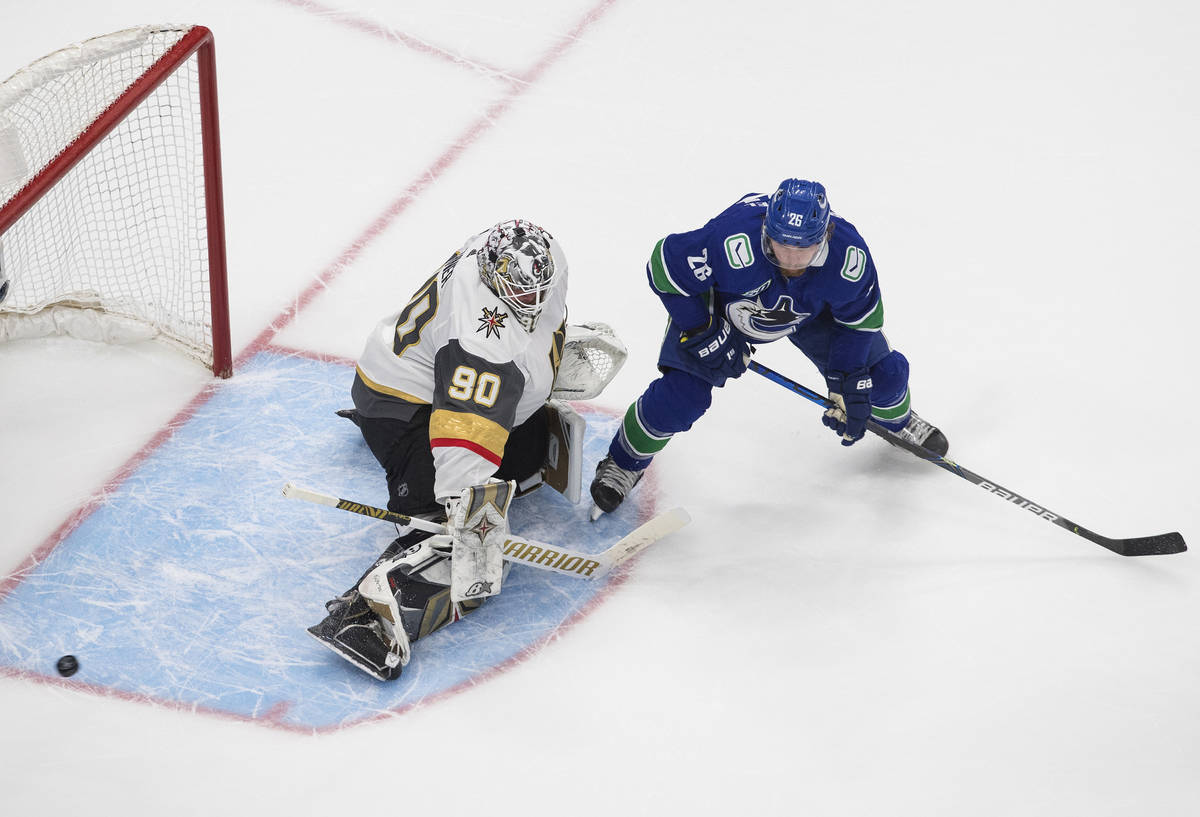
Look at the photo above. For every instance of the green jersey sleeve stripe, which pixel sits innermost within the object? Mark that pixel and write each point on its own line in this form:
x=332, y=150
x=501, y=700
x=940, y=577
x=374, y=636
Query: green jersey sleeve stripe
x=658, y=272
x=870, y=322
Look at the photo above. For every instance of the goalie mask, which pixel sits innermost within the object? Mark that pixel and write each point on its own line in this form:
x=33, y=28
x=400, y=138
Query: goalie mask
x=516, y=264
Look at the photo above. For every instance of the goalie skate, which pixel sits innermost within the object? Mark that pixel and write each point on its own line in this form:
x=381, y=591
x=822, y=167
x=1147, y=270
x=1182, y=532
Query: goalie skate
x=404, y=597
x=355, y=634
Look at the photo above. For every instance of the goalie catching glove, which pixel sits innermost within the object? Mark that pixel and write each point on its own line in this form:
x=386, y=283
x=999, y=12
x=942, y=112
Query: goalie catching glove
x=477, y=522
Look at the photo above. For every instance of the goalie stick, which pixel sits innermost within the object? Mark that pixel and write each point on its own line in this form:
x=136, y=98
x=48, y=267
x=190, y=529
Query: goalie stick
x=1163, y=543
x=526, y=551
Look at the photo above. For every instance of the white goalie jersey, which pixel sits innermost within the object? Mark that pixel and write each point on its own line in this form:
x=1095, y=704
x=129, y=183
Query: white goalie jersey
x=456, y=348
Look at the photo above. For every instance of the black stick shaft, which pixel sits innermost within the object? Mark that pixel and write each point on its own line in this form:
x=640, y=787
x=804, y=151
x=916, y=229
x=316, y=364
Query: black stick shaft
x=1163, y=543
x=373, y=512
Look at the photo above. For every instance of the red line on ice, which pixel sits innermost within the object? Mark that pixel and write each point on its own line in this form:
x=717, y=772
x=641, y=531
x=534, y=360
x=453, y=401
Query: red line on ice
x=378, y=29
x=100, y=497
x=424, y=181
x=472, y=134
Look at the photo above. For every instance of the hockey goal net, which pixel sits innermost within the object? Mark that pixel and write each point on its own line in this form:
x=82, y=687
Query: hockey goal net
x=111, y=218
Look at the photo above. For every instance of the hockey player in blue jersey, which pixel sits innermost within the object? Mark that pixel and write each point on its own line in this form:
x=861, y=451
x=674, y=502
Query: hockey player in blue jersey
x=764, y=269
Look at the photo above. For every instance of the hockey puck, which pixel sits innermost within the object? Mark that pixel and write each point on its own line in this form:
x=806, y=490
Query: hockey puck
x=67, y=666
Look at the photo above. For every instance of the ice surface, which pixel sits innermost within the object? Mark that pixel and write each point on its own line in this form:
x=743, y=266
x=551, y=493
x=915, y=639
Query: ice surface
x=839, y=631
x=191, y=584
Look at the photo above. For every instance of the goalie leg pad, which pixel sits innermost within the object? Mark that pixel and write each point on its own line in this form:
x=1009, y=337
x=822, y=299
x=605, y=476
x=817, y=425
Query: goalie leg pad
x=405, y=596
x=478, y=524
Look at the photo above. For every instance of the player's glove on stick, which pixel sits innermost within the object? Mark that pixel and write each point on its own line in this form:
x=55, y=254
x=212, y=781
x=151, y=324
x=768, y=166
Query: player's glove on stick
x=851, y=395
x=478, y=523
x=717, y=347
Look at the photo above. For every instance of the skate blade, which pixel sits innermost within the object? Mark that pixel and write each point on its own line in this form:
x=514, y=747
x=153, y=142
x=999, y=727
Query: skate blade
x=346, y=656
x=595, y=513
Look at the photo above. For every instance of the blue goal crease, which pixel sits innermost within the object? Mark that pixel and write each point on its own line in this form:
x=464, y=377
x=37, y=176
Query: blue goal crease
x=193, y=583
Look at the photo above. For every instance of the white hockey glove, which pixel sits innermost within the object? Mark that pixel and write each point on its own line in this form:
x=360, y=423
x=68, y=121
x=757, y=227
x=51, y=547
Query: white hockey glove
x=478, y=523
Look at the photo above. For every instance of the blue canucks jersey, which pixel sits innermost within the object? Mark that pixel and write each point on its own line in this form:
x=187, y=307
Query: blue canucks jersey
x=721, y=269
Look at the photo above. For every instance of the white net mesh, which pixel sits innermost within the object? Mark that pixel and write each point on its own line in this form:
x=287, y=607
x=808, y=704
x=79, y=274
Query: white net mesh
x=125, y=229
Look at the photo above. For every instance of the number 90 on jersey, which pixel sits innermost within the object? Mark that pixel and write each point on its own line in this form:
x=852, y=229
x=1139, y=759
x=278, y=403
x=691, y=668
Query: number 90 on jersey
x=468, y=384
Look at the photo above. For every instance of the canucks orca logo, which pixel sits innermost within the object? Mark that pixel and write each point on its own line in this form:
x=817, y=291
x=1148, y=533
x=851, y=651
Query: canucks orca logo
x=762, y=323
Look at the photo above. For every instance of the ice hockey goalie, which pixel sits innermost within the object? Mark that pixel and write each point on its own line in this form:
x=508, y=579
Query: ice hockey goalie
x=452, y=394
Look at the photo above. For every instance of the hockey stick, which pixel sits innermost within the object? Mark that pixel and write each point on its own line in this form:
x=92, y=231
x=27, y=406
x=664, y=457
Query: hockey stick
x=1161, y=544
x=294, y=491
x=527, y=551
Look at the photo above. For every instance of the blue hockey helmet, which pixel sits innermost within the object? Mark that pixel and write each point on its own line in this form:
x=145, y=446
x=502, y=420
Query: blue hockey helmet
x=798, y=213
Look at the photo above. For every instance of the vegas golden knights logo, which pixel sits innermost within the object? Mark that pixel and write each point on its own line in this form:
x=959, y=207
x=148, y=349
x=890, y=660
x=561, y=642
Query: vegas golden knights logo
x=492, y=322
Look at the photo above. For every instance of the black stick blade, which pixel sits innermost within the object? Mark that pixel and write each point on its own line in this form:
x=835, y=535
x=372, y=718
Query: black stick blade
x=1161, y=545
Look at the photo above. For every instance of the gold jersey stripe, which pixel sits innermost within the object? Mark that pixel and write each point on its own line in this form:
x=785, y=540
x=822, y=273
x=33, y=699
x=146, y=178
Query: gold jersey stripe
x=377, y=387
x=457, y=425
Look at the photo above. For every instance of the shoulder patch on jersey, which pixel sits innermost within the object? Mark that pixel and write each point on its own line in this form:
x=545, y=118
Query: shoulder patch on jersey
x=855, y=264
x=492, y=322
x=739, y=251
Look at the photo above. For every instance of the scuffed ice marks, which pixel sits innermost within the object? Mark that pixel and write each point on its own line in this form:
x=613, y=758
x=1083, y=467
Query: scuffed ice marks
x=193, y=582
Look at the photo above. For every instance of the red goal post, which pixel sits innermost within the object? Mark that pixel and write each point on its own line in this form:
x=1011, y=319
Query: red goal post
x=110, y=192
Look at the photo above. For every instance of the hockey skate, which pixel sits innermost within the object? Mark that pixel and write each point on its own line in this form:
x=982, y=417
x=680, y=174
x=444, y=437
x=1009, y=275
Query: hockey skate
x=355, y=633
x=610, y=486
x=923, y=433
x=405, y=596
